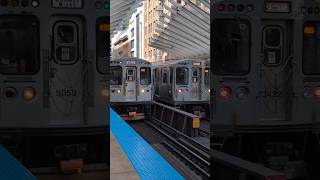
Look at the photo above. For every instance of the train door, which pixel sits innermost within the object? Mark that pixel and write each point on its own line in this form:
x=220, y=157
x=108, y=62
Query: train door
x=131, y=84
x=276, y=72
x=67, y=70
x=196, y=83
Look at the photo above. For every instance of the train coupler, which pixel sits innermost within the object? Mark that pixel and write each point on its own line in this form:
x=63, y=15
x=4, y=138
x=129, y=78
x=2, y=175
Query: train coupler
x=73, y=165
x=133, y=116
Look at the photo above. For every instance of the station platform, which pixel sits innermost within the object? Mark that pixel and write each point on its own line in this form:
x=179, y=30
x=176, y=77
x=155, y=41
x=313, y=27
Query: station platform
x=11, y=168
x=138, y=160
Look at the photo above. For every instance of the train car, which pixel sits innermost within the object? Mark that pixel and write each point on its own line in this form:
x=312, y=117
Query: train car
x=265, y=65
x=183, y=83
x=54, y=82
x=131, y=87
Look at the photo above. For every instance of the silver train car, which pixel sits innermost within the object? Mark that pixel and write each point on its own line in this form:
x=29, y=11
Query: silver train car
x=131, y=87
x=265, y=67
x=183, y=83
x=54, y=81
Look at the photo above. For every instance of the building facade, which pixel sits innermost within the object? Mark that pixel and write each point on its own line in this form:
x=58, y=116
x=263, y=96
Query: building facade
x=152, y=12
x=129, y=42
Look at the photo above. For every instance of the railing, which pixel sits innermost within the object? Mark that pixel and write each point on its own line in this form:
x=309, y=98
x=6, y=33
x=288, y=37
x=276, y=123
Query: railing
x=177, y=119
x=241, y=168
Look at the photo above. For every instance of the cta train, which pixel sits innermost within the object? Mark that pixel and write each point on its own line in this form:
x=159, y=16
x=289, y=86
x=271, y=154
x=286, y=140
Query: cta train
x=54, y=64
x=265, y=81
x=183, y=83
x=131, y=87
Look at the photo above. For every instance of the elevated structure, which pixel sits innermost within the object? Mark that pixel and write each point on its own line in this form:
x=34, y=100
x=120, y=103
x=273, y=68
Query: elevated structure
x=183, y=28
x=121, y=11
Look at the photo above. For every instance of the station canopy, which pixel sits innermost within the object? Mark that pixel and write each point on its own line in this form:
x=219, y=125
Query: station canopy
x=183, y=28
x=121, y=10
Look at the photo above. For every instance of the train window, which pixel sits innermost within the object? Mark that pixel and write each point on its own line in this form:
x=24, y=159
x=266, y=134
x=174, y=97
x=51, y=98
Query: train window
x=19, y=44
x=231, y=46
x=272, y=37
x=130, y=75
x=116, y=74
x=206, y=76
x=66, y=34
x=66, y=42
x=195, y=76
x=145, y=76
x=164, y=76
x=311, y=46
x=156, y=73
x=103, y=44
x=182, y=74
x=272, y=46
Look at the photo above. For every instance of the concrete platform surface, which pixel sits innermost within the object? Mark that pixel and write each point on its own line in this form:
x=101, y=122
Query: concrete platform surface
x=120, y=166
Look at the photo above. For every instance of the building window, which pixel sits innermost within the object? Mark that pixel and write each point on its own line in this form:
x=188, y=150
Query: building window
x=132, y=43
x=132, y=54
x=132, y=32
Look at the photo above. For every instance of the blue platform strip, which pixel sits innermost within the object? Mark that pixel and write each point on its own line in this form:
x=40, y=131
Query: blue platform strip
x=147, y=162
x=12, y=169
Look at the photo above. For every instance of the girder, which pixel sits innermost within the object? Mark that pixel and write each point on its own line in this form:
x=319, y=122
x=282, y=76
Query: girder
x=186, y=29
x=120, y=11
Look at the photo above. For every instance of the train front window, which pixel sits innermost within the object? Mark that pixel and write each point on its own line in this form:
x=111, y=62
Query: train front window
x=195, y=76
x=164, y=76
x=116, y=74
x=231, y=46
x=311, y=48
x=206, y=76
x=145, y=76
x=273, y=37
x=65, y=34
x=19, y=44
x=182, y=75
x=130, y=75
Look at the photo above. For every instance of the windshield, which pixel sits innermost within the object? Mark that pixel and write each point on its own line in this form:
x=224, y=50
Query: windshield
x=145, y=76
x=182, y=74
x=231, y=46
x=116, y=74
x=19, y=45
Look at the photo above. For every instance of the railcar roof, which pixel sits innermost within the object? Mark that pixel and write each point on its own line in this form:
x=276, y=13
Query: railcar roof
x=130, y=59
x=173, y=62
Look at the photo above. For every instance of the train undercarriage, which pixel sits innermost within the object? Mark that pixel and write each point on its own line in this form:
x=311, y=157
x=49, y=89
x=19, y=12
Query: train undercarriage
x=296, y=154
x=68, y=150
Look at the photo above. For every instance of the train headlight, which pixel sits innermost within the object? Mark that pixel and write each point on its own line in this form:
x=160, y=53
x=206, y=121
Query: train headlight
x=118, y=91
x=225, y=93
x=35, y=3
x=180, y=91
x=221, y=7
x=29, y=93
x=104, y=92
x=316, y=92
x=231, y=7
x=10, y=92
x=242, y=92
x=142, y=90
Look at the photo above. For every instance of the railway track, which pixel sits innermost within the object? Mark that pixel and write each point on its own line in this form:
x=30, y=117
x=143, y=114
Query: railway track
x=192, y=153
